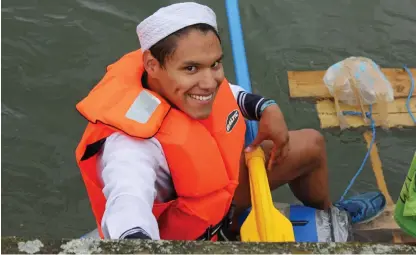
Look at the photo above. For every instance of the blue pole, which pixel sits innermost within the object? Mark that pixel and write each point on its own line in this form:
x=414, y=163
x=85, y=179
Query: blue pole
x=239, y=57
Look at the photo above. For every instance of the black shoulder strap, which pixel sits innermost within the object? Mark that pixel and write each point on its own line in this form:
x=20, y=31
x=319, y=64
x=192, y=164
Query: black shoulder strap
x=93, y=149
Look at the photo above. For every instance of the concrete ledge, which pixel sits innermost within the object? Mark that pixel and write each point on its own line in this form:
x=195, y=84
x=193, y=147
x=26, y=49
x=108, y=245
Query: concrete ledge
x=17, y=245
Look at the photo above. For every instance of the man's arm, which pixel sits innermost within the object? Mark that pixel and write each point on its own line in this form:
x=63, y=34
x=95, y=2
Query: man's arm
x=127, y=167
x=251, y=105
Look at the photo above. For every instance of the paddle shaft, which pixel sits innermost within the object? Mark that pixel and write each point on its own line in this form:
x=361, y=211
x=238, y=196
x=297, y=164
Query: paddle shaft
x=269, y=224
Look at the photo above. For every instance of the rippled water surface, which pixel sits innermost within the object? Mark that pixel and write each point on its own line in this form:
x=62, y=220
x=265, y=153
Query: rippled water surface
x=53, y=52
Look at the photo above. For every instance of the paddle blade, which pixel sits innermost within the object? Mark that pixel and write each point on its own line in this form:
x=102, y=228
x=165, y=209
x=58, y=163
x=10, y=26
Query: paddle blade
x=278, y=230
x=249, y=230
x=264, y=223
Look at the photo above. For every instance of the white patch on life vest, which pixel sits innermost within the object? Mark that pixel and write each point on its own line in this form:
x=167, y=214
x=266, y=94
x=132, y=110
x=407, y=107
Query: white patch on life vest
x=143, y=107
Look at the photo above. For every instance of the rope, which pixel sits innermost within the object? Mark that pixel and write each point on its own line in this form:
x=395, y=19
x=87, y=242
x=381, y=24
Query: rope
x=412, y=87
x=373, y=129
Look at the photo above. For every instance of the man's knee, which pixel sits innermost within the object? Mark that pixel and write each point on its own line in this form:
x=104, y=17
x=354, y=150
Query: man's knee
x=316, y=144
x=317, y=138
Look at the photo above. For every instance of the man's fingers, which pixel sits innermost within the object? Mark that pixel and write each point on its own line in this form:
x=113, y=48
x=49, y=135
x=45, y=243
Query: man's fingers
x=273, y=157
x=256, y=142
x=284, y=153
x=279, y=153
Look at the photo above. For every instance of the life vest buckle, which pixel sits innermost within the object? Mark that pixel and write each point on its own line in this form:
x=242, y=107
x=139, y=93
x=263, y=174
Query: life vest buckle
x=230, y=214
x=211, y=231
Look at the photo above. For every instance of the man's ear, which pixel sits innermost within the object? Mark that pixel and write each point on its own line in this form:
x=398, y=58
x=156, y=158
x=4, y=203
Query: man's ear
x=150, y=63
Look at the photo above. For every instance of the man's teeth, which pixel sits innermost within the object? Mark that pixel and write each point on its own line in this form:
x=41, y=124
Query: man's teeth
x=201, y=98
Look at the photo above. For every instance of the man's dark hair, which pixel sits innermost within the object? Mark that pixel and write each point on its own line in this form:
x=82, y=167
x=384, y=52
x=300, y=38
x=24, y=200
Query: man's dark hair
x=167, y=46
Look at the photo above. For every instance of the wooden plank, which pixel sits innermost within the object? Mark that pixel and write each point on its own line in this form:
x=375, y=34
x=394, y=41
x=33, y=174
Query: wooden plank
x=384, y=221
x=378, y=169
x=397, y=237
x=398, y=115
x=327, y=106
x=311, y=84
x=395, y=120
x=381, y=183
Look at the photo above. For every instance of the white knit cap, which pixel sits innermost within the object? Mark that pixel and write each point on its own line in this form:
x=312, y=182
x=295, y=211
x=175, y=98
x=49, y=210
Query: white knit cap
x=172, y=18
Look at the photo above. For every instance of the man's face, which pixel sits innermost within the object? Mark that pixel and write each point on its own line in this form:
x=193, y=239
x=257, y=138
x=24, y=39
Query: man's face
x=191, y=76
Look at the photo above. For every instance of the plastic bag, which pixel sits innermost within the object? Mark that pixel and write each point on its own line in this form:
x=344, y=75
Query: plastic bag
x=361, y=73
x=359, y=81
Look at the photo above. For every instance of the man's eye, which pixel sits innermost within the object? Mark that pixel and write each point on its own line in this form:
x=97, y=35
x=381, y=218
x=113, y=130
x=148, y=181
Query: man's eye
x=216, y=64
x=190, y=68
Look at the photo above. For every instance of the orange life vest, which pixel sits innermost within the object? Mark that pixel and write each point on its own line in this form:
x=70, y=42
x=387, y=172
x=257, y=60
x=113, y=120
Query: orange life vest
x=203, y=155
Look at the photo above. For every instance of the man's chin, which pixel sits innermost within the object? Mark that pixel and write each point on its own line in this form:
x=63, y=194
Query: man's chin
x=200, y=115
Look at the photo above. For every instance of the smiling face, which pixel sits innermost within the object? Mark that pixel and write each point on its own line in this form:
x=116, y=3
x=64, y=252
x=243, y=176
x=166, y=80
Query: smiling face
x=190, y=77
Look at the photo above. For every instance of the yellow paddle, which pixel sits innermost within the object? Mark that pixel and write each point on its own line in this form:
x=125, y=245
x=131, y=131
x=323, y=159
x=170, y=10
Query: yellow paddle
x=264, y=222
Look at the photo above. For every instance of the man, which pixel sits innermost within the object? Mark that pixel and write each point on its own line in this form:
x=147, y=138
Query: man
x=162, y=156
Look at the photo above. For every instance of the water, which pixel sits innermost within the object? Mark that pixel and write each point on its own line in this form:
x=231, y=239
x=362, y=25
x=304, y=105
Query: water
x=53, y=52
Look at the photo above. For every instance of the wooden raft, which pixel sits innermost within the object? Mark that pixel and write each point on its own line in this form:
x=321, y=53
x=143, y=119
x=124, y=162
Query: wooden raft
x=309, y=84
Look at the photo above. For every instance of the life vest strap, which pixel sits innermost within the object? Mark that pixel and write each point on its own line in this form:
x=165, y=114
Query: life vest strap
x=212, y=231
x=92, y=149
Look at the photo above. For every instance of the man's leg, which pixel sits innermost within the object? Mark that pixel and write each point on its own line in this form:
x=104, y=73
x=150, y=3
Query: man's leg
x=304, y=169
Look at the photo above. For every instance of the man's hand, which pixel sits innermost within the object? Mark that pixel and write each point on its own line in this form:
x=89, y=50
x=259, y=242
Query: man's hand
x=272, y=126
